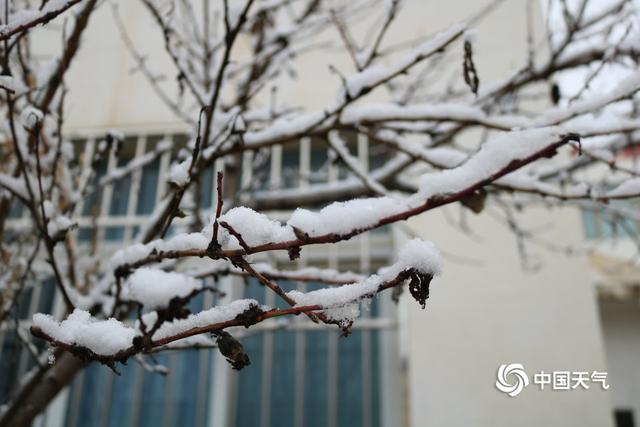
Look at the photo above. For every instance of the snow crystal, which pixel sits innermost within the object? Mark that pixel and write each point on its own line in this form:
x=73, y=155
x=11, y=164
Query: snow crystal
x=59, y=224
x=179, y=173
x=155, y=288
x=343, y=217
x=416, y=254
x=182, y=242
x=31, y=116
x=327, y=275
x=494, y=155
x=365, y=79
x=130, y=254
x=256, y=228
x=628, y=188
x=471, y=35
x=12, y=84
x=15, y=184
x=341, y=303
x=49, y=208
x=204, y=318
x=103, y=337
x=139, y=251
x=285, y=127
x=378, y=112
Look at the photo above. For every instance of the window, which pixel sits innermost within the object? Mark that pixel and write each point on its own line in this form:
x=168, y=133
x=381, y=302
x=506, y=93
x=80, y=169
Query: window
x=624, y=418
x=310, y=378
x=604, y=225
x=139, y=397
x=15, y=359
x=301, y=376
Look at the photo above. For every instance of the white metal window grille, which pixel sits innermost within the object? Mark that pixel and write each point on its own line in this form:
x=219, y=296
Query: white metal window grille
x=306, y=376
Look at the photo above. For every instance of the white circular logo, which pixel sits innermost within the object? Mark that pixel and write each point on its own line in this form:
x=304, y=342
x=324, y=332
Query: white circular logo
x=515, y=371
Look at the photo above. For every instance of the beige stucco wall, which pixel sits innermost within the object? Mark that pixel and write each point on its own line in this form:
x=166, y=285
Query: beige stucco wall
x=489, y=311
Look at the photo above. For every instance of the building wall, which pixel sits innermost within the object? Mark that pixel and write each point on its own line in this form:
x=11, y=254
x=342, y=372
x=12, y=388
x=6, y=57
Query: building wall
x=486, y=310
x=481, y=313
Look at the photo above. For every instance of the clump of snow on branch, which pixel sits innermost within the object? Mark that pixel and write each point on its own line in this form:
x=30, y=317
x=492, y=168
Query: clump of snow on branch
x=179, y=173
x=343, y=303
x=256, y=228
x=103, y=337
x=204, y=318
x=154, y=288
x=630, y=187
x=495, y=155
x=343, y=217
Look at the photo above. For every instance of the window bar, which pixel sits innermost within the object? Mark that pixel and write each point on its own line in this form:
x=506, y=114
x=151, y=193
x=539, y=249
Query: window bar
x=267, y=366
x=76, y=396
x=136, y=404
x=165, y=161
x=33, y=306
x=105, y=203
x=365, y=267
x=389, y=347
x=87, y=171
x=55, y=413
x=2, y=334
x=106, y=401
x=168, y=390
x=332, y=350
x=204, y=365
x=134, y=190
x=223, y=394
x=275, y=177
x=305, y=162
x=86, y=168
x=300, y=342
x=247, y=170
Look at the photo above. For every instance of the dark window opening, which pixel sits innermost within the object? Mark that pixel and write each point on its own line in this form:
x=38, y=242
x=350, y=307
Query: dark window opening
x=624, y=418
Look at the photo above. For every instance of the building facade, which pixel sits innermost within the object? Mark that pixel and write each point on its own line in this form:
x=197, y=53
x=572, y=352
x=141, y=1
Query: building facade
x=402, y=365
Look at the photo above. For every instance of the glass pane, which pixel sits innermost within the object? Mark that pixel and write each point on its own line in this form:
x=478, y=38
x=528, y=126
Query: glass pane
x=315, y=379
x=282, y=379
x=153, y=401
x=350, y=380
x=93, y=399
x=249, y=384
x=148, y=188
x=185, y=387
x=250, y=378
x=16, y=209
x=47, y=295
x=92, y=201
x=85, y=234
x=206, y=187
x=122, y=396
x=9, y=361
x=319, y=161
x=120, y=192
x=114, y=234
x=24, y=303
x=589, y=224
x=290, y=166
